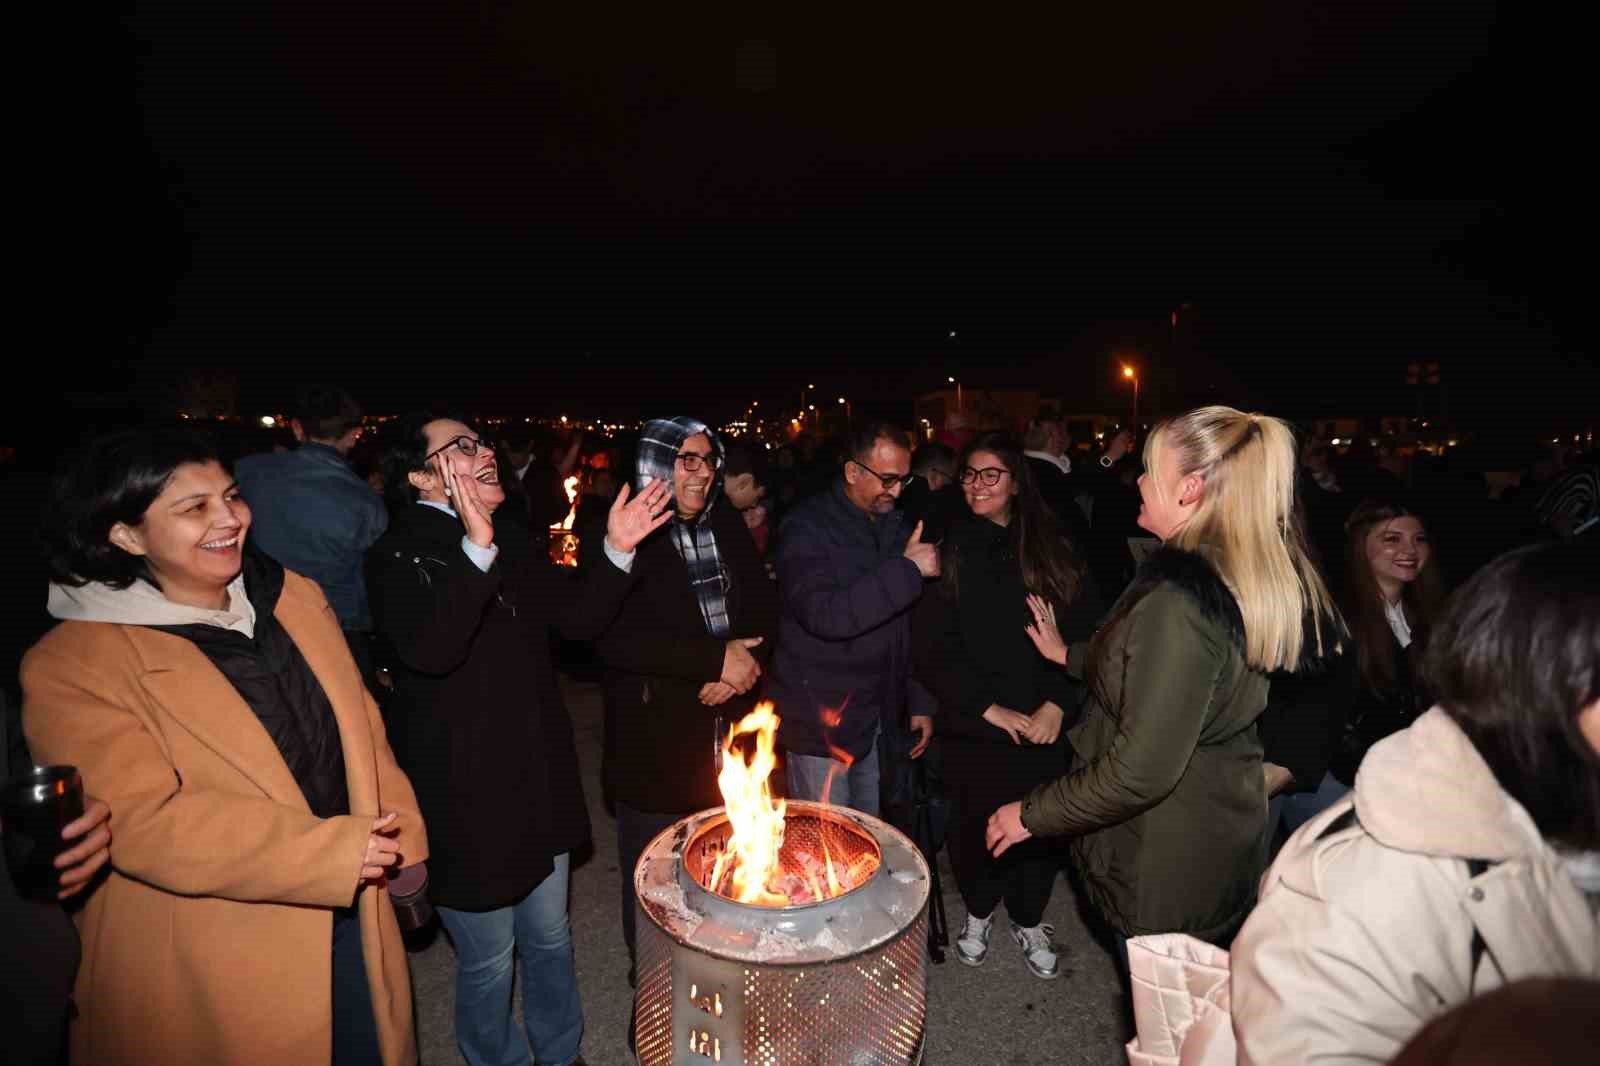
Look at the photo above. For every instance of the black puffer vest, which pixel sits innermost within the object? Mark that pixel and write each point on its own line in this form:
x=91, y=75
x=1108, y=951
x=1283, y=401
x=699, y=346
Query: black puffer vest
x=273, y=677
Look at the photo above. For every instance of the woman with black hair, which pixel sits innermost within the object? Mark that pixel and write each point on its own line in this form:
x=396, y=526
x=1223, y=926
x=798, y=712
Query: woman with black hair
x=209, y=696
x=1467, y=856
x=1003, y=709
x=463, y=603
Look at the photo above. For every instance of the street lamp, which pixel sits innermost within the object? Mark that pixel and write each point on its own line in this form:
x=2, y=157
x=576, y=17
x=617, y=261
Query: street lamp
x=1128, y=373
x=959, y=405
x=848, y=416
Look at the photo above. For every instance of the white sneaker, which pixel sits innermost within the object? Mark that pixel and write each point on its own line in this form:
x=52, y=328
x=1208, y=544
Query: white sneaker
x=972, y=946
x=1037, y=949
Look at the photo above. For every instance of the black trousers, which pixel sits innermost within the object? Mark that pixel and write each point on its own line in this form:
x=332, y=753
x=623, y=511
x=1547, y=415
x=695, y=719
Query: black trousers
x=635, y=830
x=355, y=1030
x=1021, y=878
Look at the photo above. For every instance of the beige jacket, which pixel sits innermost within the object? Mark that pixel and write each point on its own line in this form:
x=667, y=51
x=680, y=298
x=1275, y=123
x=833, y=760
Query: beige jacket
x=1365, y=934
x=210, y=941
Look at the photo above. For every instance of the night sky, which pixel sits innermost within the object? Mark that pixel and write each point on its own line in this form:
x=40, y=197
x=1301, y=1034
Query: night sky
x=622, y=212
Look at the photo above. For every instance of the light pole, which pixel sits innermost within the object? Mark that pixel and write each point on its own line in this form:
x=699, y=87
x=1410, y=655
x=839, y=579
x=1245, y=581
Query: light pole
x=959, y=405
x=848, y=417
x=1128, y=372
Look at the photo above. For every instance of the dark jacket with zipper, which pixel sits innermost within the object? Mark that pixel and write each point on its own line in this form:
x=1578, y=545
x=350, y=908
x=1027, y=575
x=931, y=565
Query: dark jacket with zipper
x=476, y=719
x=971, y=652
x=274, y=679
x=1165, y=802
x=844, y=634
x=658, y=655
x=1377, y=713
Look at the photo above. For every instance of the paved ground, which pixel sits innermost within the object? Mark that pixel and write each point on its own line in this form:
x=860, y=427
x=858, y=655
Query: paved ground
x=996, y=1014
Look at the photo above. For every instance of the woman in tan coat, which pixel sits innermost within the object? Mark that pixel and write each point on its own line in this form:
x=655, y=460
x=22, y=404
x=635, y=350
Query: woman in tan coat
x=208, y=695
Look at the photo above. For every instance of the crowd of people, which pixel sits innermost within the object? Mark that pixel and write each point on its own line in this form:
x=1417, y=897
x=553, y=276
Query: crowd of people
x=1216, y=675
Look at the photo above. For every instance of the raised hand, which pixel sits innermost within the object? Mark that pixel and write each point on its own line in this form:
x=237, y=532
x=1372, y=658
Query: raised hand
x=1120, y=445
x=925, y=556
x=463, y=493
x=383, y=850
x=1012, y=723
x=630, y=521
x=740, y=670
x=1044, y=633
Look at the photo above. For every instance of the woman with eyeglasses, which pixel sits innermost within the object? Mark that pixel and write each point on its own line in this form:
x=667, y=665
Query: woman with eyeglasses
x=1002, y=709
x=463, y=606
x=1166, y=801
x=687, y=649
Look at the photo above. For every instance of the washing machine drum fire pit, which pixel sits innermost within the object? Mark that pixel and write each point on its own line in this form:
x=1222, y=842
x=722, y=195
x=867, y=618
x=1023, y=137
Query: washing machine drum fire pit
x=835, y=976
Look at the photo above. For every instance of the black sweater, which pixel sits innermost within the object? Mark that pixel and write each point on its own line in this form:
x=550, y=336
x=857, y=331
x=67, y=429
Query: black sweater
x=658, y=655
x=971, y=652
x=477, y=720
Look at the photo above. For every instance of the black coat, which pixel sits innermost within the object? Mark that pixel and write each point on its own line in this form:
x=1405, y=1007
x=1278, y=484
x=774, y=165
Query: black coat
x=658, y=655
x=971, y=652
x=477, y=719
x=1060, y=494
x=1374, y=714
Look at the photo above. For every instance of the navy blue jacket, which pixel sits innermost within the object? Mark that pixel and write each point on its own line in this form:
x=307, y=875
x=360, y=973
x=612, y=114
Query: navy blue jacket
x=312, y=513
x=843, y=660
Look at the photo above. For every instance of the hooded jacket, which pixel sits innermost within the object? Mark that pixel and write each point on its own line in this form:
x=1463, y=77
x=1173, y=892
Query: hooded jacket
x=209, y=940
x=1366, y=927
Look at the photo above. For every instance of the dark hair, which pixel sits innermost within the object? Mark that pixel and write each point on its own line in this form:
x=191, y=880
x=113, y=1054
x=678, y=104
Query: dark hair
x=326, y=412
x=1050, y=565
x=931, y=456
x=740, y=458
x=404, y=443
x=1363, y=600
x=865, y=437
x=109, y=480
x=1513, y=660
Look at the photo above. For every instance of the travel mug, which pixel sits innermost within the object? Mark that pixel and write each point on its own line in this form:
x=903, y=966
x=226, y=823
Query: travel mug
x=34, y=808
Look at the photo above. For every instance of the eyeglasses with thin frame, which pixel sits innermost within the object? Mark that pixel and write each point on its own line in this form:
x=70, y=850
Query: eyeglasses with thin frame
x=469, y=447
x=692, y=462
x=889, y=481
x=989, y=476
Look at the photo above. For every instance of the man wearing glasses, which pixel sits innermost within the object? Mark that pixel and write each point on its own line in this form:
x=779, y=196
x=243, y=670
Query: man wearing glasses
x=849, y=572
x=464, y=608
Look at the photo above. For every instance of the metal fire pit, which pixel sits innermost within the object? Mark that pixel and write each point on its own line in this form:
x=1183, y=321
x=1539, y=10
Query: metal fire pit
x=841, y=982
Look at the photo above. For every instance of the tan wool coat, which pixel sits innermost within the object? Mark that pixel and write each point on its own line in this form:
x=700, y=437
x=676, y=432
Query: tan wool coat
x=210, y=941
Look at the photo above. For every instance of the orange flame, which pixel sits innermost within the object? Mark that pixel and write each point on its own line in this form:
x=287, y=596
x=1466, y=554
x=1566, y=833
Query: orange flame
x=751, y=852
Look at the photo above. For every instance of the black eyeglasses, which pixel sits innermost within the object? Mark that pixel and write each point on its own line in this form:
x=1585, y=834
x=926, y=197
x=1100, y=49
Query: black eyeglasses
x=889, y=480
x=989, y=476
x=693, y=461
x=469, y=447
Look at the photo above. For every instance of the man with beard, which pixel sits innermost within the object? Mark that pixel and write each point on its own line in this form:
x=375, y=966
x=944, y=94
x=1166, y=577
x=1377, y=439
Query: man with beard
x=848, y=575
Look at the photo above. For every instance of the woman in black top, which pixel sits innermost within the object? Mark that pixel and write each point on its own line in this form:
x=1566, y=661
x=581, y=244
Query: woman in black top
x=1003, y=709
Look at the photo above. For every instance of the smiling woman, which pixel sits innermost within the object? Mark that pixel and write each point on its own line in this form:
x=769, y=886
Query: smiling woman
x=208, y=695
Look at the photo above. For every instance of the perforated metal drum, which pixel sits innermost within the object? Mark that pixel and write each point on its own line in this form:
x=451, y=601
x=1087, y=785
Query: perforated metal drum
x=841, y=981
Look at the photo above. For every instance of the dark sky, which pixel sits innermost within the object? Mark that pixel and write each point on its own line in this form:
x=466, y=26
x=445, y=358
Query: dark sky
x=616, y=211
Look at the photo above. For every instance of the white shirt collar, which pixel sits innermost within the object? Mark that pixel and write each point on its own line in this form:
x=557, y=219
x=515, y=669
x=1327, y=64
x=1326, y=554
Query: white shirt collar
x=1061, y=462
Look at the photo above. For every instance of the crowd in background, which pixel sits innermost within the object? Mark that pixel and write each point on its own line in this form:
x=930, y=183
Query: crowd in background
x=1155, y=662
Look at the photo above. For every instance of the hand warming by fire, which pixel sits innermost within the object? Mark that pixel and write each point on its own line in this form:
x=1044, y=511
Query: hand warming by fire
x=755, y=866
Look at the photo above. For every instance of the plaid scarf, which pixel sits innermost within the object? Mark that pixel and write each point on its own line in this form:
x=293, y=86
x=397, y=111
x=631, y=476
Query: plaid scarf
x=659, y=446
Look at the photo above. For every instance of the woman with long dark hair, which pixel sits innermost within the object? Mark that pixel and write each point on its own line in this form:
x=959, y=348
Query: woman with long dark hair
x=1002, y=708
x=1393, y=594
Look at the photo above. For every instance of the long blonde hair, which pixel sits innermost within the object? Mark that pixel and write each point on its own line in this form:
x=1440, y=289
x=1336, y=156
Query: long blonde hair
x=1248, y=525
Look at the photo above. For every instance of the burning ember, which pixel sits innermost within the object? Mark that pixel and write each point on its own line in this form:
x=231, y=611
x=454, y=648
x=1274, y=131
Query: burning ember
x=763, y=860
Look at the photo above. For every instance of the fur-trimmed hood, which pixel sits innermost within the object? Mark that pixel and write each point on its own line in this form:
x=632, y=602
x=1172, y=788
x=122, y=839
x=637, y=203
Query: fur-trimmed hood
x=1193, y=573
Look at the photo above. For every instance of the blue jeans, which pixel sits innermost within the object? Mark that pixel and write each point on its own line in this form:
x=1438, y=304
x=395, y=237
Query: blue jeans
x=537, y=929
x=855, y=787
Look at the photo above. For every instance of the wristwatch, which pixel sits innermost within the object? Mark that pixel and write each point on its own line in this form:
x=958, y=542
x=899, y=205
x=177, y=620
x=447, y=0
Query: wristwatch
x=1105, y=461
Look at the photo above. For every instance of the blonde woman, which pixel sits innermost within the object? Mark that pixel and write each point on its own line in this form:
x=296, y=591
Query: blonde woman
x=1166, y=799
